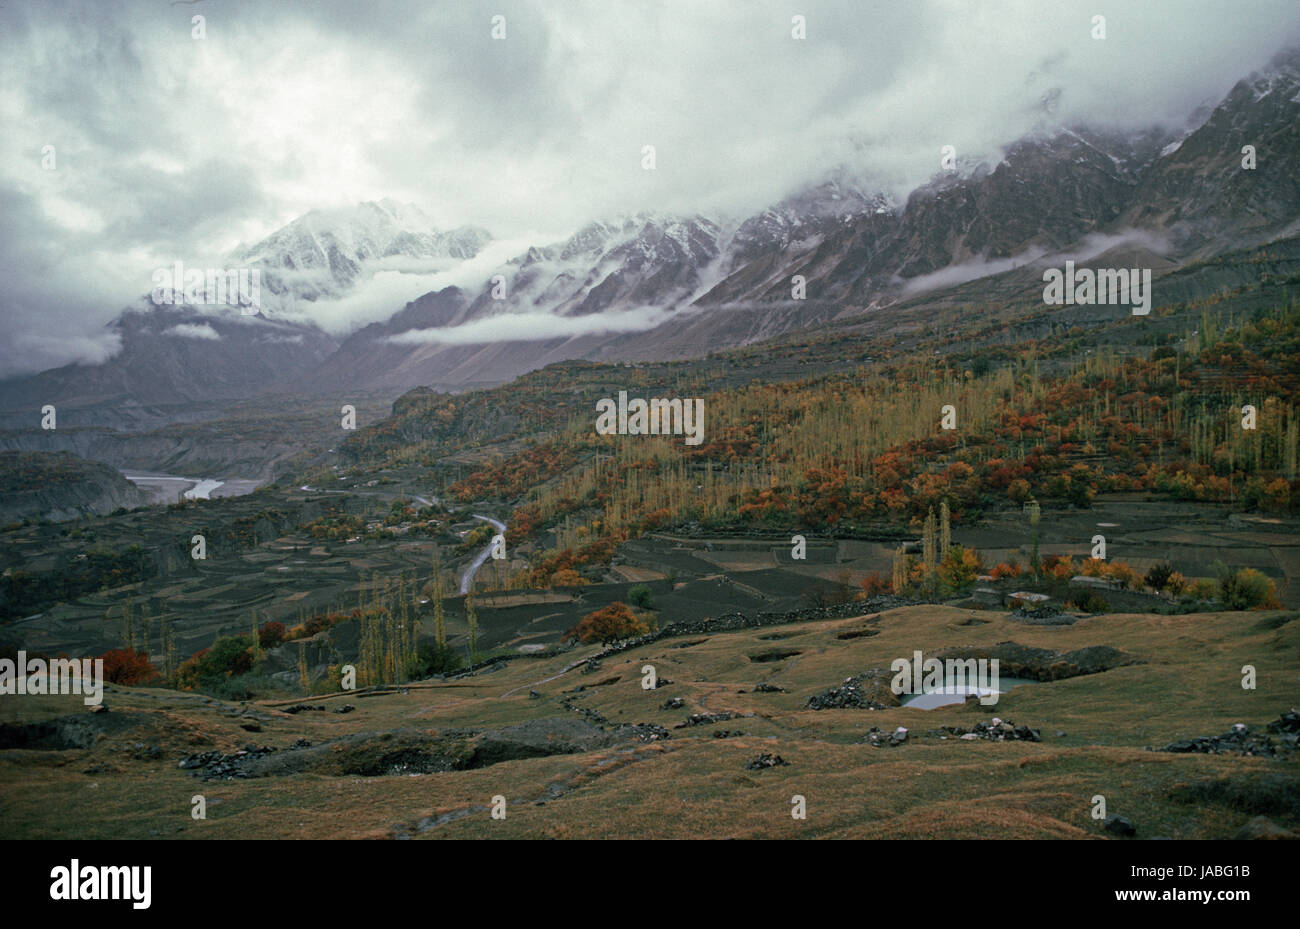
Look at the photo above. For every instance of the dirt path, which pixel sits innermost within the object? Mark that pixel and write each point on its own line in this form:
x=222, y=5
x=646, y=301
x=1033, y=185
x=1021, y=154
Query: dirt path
x=544, y=680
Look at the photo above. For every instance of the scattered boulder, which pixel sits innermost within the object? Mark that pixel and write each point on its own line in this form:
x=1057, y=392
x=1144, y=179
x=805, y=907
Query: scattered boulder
x=1288, y=722
x=216, y=765
x=642, y=732
x=673, y=703
x=1118, y=825
x=700, y=719
x=766, y=760
x=878, y=738
x=1239, y=740
x=996, y=730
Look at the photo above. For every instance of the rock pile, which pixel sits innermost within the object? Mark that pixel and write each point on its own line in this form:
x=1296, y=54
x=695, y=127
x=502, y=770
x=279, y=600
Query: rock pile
x=218, y=765
x=302, y=707
x=869, y=691
x=877, y=738
x=1287, y=724
x=643, y=732
x=1240, y=740
x=701, y=719
x=766, y=760
x=995, y=730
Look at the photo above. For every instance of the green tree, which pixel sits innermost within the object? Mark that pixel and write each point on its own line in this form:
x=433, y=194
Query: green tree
x=432, y=658
x=1245, y=589
x=641, y=597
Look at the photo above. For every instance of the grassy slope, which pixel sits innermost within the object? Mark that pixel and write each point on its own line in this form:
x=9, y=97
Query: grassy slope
x=694, y=785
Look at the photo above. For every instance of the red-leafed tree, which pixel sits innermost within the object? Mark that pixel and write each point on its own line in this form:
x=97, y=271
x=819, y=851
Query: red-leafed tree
x=608, y=624
x=127, y=666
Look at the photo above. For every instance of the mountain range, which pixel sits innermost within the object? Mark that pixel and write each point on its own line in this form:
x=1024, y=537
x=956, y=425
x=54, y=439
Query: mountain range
x=658, y=286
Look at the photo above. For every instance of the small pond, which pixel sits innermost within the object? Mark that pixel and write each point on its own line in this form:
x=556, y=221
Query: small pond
x=951, y=693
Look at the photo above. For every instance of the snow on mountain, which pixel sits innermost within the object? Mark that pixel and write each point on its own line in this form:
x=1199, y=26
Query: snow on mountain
x=324, y=253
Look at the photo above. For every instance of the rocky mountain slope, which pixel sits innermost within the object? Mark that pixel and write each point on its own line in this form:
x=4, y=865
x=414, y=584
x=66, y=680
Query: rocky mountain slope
x=196, y=354
x=59, y=485
x=677, y=287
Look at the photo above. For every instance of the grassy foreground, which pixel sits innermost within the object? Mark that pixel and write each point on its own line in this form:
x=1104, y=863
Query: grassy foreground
x=1095, y=728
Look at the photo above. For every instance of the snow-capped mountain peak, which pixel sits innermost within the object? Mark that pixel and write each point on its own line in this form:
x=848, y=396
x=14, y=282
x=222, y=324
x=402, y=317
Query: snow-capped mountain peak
x=324, y=252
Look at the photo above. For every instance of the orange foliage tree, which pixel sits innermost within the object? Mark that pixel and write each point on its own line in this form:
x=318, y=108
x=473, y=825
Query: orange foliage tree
x=608, y=624
x=127, y=666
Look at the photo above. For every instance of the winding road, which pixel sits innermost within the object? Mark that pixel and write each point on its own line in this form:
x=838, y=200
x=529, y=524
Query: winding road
x=467, y=579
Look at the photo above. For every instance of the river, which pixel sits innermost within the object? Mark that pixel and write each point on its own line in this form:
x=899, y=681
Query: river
x=170, y=488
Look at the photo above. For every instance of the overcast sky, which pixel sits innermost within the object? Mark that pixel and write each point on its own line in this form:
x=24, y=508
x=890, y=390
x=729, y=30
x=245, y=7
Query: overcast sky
x=169, y=147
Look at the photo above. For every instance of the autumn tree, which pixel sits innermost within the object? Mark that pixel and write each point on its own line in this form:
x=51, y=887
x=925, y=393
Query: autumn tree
x=1246, y=589
x=304, y=679
x=899, y=582
x=567, y=577
x=959, y=568
x=609, y=624
x=127, y=666
x=471, y=620
x=929, y=550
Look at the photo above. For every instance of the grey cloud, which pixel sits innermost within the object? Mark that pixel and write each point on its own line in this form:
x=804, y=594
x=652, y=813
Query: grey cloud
x=182, y=148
